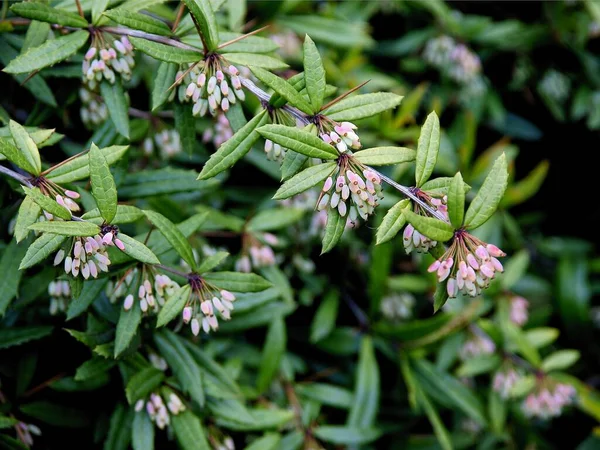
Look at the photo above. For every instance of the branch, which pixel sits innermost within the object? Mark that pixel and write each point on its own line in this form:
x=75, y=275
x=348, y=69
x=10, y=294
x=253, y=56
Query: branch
x=151, y=37
x=263, y=96
x=17, y=176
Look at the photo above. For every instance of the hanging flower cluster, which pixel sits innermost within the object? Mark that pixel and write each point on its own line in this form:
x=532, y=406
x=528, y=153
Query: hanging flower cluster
x=86, y=256
x=168, y=143
x=204, y=300
x=504, y=380
x=548, y=399
x=64, y=197
x=93, y=109
x=340, y=135
x=518, y=310
x=469, y=265
x=107, y=56
x=151, y=290
x=413, y=239
x=453, y=59
x=158, y=412
x=477, y=344
x=257, y=252
x=60, y=296
x=219, y=133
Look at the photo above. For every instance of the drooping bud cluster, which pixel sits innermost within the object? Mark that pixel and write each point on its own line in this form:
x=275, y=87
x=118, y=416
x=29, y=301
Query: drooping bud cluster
x=504, y=380
x=548, y=399
x=60, y=295
x=87, y=255
x=352, y=190
x=453, y=59
x=158, y=411
x=25, y=432
x=151, y=290
x=257, y=252
x=220, y=133
x=477, y=344
x=340, y=135
x=396, y=307
x=413, y=239
x=518, y=310
x=555, y=85
x=205, y=300
x=93, y=109
x=106, y=57
x=274, y=152
x=469, y=265
x=157, y=361
x=168, y=143
x=64, y=197
x=212, y=85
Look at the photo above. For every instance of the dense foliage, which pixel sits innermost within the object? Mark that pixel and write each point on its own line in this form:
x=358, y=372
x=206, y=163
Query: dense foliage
x=235, y=224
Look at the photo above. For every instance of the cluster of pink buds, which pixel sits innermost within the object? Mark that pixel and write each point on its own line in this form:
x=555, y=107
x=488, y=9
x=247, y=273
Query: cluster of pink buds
x=258, y=254
x=158, y=411
x=25, y=432
x=203, y=303
x=64, y=197
x=86, y=256
x=168, y=143
x=220, y=133
x=353, y=183
x=518, y=310
x=454, y=59
x=548, y=400
x=504, y=380
x=93, y=109
x=469, y=265
x=211, y=86
x=413, y=239
x=274, y=152
x=102, y=62
x=477, y=344
x=340, y=135
x=60, y=295
x=151, y=291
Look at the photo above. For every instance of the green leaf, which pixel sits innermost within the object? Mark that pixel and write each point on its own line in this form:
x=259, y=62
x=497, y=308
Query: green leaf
x=234, y=148
x=46, y=203
x=524, y=189
x=272, y=353
x=237, y=281
x=11, y=275
x=174, y=305
x=363, y=413
x=383, y=156
x=440, y=186
x=166, y=53
x=305, y=180
x=93, y=367
x=78, y=168
x=57, y=415
x=560, y=360
x=327, y=394
x=436, y=422
x=185, y=124
x=292, y=164
x=137, y=250
x=392, y=222
x=314, y=73
x=48, y=53
x=116, y=102
x=487, y=199
x=477, y=366
x=128, y=324
x=269, y=441
x=250, y=44
x=66, y=228
x=334, y=228
x=325, y=317
x=142, y=383
x=274, y=219
x=119, y=431
x=45, y=13
x=10, y=337
x=341, y=435
x=427, y=148
x=165, y=75
x=125, y=214
x=29, y=155
x=283, y=88
x=339, y=33
x=299, y=141
x=434, y=229
x=440, y=297
x=256, y=60
x=92, y=289
x=205, y=21
x=515, y=269
x=188, y=430
x=456, y=201
x=361, y=106
x=142, y=432
x=138, y=21
x=98, y=7
x=29, y=211
x=41, y=248
x=541, y=337
x=212, y=261
x=104, y=189
x=173, y=235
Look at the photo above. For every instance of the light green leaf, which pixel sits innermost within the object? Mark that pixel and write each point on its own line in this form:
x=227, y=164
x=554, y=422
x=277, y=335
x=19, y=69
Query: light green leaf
x=456, y=201
x=104, y=189
x=514, y=269
x=327, y=394
x=383, y=156
x=350, y=435
x=129, y=321
x=274, y=219
x=292, y=164
x=142, y=383
x=92, y=290
x=363, y=413
x=205, y=21
x=439, y=186
x=541, y=337
x=256, y=60
x=269, y=441
x=560, y=360
x=314, y=73
x=46, y=203
x=173, y=235
x=436, y=422
x=137, y=250
x=361, y=106
x=125, y=214
x=250, y=44
x=116, y=102
x=166, y=53
x=138, y=21
x=283, y=88
x=98, y=7
x=174, y=305
x=325, y=317
x=27, y=148
x=305, y=180
x=93, y=368
x=212, y=261
x=487, y=199
x=78, y=168
x=427, y=148
x=272, y=353
x=477, y=366
x=185, y=124
x=29, y=211
x=142, y=432
x=10, y=337
x=334, y=228
x=298, y=140
x=237, y=281
x=42, y=247
x=165, y=76
x=392, y=222
x=235, y=147
x=66, y=228
x=48, y=53
x=45, y=13
x=434, y=229
x=341, y=33
x=188, y=430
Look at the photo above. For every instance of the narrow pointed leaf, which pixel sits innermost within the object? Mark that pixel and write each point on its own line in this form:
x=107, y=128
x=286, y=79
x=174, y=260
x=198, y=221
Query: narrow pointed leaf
x=29, y=211
x=256, y=60
x=272, y=353
x=98, y=7
x=78, y=168
x=382, y=156
x=334, y=229
x=212, y=261
x=237, y=281
x=47, y=204
x=305, y=180
x=185, y=124
x=11, y=275
x=361, y=106
x=427, y=148
x=124, y=214
x=129, y=321
x=363, y=412
x=205, y=21
x=434, y=229
x=116, y=102
x=26, y=147
x=314, y=73
x=41, y=248
x=165, y=75
x=166, y=53
x=138, y=21
x=92, y=290
x=104, y=189
x=299, y=140
x=456, y=201
x=142, y=431
x=67, y=228
x=292, y=163
x=188, y=431
x=143, y=383
x=137, y=250
x=174, y=305
x=173, y=235
x=45, y=13
x=393, y=221
x=274, y=219
x=283, y=88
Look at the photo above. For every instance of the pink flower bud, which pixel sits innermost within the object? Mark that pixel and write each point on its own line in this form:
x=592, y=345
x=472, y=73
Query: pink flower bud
x=233, y=70
x=342, y=208
x=187, y=314
x=195, y=326
x=472, y=261
x=128, y=302
x=434, y=266
x=226, y=295
x=328, y=183
x=59, y=257
x=119, y=244
x=91, y=53
x=494, y=251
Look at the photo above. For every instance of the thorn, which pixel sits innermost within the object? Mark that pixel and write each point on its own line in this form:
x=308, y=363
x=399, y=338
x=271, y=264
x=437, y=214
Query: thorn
x=343, y=96
x=244, y=36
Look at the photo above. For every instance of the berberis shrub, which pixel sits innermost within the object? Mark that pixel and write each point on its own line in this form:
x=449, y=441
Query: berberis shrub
x=206, y=247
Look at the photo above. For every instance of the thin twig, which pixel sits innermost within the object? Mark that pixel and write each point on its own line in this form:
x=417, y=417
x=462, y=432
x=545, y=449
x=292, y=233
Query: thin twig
x=79, y=8
x=343, y=96
x=173, y=271
x=17, y=176
x=263, y=96
x=239, y=38
x=180, y=10
x=152, y=37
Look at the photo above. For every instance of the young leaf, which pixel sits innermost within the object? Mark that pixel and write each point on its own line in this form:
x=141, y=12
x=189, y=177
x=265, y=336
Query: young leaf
x=46, y=203
x=29, y=211
x=138, y=21
x=272, y=353
x=383, y=156
x=116, y=102
x=45, y=13
x=299, y=141
x=125, y=214
x=361, y=106
x=392, y=222
x=434, y=229
x=235, y=147
x=439, y=186
x=27, y=148
x=42, y=247
x=143, y=383
x=305, y=180
x=188, y=430
x=487, y=199
x=334, y=228
x=174, y=305
x=142, y=432
x=50, y=52
x=173, y=235
x=283, y=88
x=560, y=360
x=137, y=250
x=205, y=21
x=456, y=201
x=363, y=413
x=166, y=53
x=212, y=261
x=162, y=81
x=314, y=73
x=67, y=228
x=256, y=60
x=78, y=168
x=427, y=148
x=104, y=189
x=237, y=281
